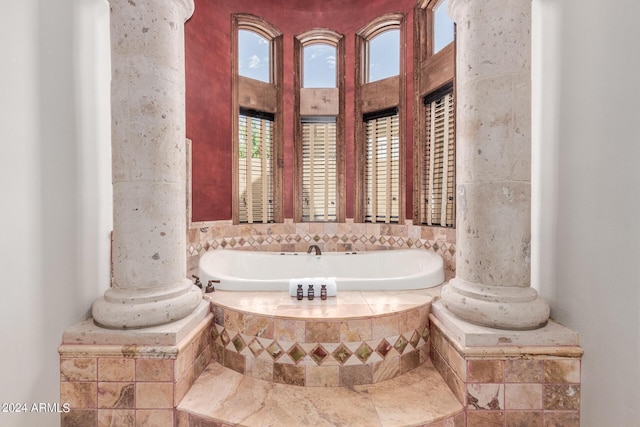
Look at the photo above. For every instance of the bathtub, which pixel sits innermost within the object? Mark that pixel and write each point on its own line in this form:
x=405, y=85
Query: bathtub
x=401, y=269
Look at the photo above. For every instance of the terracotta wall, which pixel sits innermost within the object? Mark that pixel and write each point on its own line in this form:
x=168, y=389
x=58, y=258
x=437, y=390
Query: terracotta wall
x=208, y=81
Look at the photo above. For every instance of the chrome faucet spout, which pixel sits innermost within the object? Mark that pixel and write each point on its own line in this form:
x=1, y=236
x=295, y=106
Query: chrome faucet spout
x=316, y=248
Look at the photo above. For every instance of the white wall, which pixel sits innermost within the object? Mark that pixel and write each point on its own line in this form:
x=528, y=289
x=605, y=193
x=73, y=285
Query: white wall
x=586, y=207
x=55, y=178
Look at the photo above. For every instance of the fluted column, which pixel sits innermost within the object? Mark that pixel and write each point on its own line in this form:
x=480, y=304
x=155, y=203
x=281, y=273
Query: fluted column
x=493, y=235
x=148, y=148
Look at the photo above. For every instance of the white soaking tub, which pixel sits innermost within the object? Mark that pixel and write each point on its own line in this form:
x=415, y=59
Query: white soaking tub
x=388, y=270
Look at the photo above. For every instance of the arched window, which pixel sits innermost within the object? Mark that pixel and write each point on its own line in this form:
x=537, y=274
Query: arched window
x=257, y=133
x=319, y=118
x=383, y=55
x=254, y=55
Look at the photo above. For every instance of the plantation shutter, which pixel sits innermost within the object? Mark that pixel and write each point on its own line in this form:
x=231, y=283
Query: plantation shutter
x=255, y=168
x=382, y=169
x=319, y=185
x=439, y=163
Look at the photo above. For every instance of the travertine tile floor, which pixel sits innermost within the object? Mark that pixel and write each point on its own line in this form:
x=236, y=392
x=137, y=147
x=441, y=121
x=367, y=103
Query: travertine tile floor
x=418, y=398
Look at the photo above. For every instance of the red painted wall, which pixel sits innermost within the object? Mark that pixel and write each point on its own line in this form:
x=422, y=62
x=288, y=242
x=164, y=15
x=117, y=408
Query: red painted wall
x=208, y=88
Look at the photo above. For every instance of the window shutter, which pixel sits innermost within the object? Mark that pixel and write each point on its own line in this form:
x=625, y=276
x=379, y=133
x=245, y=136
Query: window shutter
x=382, y=169
x=319, y=181
x=439, y=163
x=255, y=169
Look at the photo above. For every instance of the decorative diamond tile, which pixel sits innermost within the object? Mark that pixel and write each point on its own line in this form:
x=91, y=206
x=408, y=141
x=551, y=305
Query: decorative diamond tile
x=214, y=334
x=206, y=246
x=400, y=242
x=391, y=241
x=238, y=343
x=297, y=238
x=225, y=337
x=232, y=242
x=191, y=250
x=452, y=249
x=335, y=238
x=269, y=239
x=342, y=353
x=372, y=239
x=363, y=352
x=425, y=333
x=326, y=238
x=427, y=245
x=415, y=338
x=306, y=238
x=382, y=240
x=344, y=238
x=296, y=353
x=418, y=244
x=383, y=348
x=401, y=344
x=251, y=240
x=274, y=350
x=255, y=347
x=319, y=354
x=409, y=242
x=215, y=244
x=435, y=246
x=363, y=239
x=278, y=238
x=223, y=244
x=316, y=238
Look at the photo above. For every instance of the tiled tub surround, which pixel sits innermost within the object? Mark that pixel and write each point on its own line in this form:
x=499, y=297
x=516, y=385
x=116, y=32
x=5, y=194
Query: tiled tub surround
x=357, y=337
x=509, y=383
x=329, y=236
x=125, y=385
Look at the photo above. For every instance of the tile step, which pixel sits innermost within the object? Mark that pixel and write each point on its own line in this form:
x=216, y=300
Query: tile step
x=223, y=397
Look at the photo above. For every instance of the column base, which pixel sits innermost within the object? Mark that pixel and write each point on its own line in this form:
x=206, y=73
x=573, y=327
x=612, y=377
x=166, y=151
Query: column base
x=501, y=307
x=140, y=308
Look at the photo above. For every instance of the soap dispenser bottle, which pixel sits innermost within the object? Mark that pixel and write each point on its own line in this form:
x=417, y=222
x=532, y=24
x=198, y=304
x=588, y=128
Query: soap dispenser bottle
x=323, y=292
x=299, y=292
x=310, y=292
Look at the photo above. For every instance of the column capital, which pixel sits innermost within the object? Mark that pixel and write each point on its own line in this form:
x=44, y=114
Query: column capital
x=456, y=7
x=187, y=5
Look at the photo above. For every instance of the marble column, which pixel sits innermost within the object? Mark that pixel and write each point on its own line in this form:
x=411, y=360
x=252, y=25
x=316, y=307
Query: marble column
x=493, y=235
x=148, y=147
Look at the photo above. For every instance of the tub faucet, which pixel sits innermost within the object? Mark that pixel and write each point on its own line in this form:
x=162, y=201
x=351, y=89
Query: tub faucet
x=316, y=248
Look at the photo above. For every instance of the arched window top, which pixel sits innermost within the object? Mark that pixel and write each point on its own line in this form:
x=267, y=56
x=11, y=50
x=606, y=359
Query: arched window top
x=381, y=24
x=257, y=25
x=255, y=47
x=319, y=36
x=319, y=57
x=381, y=57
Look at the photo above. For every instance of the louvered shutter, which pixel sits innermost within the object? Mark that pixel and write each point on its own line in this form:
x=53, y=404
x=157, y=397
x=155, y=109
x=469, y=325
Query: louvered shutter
x=439, y=163
x=382, y=169
x=255, y=169
x=319, y=185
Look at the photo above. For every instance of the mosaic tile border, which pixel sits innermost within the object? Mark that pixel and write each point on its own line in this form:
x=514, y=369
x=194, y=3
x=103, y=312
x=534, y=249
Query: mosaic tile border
x=331, y=237
x=327, y=353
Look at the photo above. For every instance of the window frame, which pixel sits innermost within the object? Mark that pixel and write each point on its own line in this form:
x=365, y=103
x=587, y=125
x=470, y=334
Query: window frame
x=319, y=102
x=434, y=73
x=380, y=95
x=251, y=94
